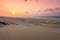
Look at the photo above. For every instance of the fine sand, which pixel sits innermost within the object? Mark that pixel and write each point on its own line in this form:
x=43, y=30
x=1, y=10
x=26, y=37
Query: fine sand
x=29, y=29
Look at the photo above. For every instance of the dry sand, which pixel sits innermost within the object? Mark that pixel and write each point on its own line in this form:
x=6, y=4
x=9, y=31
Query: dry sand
x=29, y=29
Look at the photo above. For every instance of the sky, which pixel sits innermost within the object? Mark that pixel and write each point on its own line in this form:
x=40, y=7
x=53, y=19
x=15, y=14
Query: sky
x=14, y=8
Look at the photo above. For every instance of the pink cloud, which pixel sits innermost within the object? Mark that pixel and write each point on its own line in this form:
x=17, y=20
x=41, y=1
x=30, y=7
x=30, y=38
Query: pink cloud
x=52, y=10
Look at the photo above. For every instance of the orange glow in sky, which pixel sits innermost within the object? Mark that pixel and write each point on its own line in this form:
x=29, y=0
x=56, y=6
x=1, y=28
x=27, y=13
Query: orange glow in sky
x=23, y=7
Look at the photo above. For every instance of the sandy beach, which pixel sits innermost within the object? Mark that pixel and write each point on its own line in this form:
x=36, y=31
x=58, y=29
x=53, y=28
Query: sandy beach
x=29, y=29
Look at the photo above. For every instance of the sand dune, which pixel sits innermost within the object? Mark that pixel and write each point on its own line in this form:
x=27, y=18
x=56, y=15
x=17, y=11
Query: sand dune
x=29, y=29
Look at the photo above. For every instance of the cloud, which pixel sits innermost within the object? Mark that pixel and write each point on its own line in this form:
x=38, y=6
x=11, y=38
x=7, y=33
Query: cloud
x=52, y=10
x=57, y=9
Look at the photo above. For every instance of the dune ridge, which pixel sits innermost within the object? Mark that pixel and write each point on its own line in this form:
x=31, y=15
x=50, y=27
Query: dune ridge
x=29, y=29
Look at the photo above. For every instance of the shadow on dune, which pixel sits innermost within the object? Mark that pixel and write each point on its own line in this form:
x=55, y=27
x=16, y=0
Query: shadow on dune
x=2, y=24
